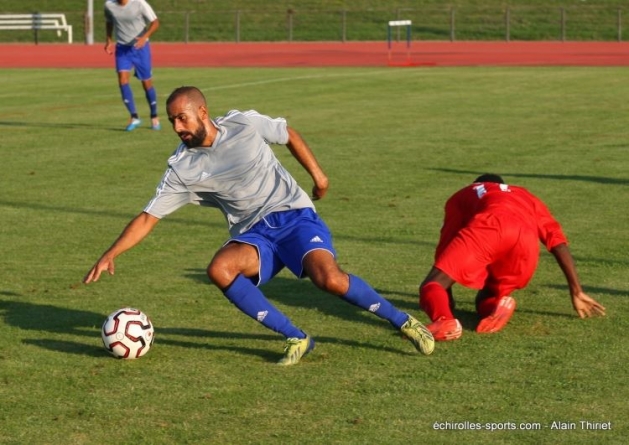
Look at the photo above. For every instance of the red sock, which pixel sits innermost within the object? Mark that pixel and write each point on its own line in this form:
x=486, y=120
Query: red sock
x=486, y=306
x=433, y=299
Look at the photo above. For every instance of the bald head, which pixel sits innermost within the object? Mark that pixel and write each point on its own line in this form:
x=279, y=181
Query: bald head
x=192, y=95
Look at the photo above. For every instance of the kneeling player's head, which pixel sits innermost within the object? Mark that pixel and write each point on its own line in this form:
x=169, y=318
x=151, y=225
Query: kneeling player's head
x=490, y=177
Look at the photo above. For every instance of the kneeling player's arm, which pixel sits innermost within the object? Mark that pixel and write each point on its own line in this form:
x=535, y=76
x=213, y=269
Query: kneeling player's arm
x=585, y=305
x=564, y=258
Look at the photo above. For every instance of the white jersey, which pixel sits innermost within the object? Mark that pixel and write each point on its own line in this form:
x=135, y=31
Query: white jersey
x=239, y=174
x=130, y=20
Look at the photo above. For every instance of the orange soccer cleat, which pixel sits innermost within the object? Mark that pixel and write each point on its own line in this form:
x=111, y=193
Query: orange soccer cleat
x=445, y=329
x=499, y=317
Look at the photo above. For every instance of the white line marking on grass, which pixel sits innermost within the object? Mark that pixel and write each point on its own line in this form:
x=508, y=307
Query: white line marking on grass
x=297, y=78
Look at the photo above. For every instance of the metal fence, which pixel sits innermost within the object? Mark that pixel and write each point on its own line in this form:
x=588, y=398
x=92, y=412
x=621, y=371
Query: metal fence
x=579, y=23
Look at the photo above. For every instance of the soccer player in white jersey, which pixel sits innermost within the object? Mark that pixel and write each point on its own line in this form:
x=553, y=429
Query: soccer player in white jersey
x=227, y=163
x=133, y=21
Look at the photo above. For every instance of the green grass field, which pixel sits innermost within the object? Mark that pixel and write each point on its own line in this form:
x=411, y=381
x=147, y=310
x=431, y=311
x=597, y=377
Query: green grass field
x=395, y=144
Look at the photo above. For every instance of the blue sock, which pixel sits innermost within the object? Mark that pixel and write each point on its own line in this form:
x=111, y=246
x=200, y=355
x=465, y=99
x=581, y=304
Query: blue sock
x=250, y=300
x=151, y=98
x=364, y=296
x=127, y=98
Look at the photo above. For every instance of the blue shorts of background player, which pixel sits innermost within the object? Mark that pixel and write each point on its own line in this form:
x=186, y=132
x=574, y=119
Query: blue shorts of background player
x=128, y=58
x=284, y=238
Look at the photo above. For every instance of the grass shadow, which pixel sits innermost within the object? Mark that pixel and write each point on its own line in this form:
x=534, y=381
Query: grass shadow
x=294, y=292
x=168, y=335
x=68, y=126
x=60, y=320
x=593, y=290
x=108, y=213
x=68, y=347
x=49, y=318
x=596, y=179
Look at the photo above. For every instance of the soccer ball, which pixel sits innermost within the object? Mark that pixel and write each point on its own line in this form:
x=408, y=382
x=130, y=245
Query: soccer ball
x=128, y=333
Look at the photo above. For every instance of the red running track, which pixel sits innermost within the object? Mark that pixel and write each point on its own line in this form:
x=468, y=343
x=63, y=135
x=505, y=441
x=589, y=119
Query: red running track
x=327, y=54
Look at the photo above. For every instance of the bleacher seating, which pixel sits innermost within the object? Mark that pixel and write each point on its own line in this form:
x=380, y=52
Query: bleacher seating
x=36, y=22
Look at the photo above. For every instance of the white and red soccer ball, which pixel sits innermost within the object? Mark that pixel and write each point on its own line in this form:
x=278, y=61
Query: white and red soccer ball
x=128, y=333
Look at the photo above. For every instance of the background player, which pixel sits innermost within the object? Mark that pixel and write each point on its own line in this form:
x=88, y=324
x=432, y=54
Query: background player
x=490, y=241
x=227, y=163
x=134, y=21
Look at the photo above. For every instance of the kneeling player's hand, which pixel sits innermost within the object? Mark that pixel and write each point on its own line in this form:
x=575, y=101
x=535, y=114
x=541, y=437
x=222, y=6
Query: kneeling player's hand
x=587, y=306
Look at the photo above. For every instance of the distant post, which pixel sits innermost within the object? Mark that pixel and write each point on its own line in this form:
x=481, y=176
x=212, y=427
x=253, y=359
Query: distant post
x=89, y=23
x=452, y=25
x=36, y=26
x=508, y=24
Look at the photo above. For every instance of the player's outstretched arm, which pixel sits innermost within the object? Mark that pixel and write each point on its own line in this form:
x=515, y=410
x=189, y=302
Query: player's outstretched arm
x=300, y=150
x=582, y=303
x=136, y=231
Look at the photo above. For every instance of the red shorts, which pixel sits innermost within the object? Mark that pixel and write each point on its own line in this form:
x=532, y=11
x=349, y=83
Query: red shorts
x=493, y=251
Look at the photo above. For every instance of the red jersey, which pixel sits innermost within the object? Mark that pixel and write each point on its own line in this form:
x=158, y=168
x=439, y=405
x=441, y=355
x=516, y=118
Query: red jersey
x=489, y=197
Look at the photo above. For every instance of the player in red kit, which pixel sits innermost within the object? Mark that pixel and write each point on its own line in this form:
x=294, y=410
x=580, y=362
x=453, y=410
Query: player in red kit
x=490, y=241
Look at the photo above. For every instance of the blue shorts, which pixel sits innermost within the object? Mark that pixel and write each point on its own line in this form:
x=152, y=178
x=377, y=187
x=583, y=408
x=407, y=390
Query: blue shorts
x=128, y=57
x=284, y=238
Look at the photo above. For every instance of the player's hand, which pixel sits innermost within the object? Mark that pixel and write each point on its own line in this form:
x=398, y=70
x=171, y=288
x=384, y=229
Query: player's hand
x=318, y=193
x=102, y=265
x=140, y=42
x=586, y=306
x=108, y=49
x=320, y=189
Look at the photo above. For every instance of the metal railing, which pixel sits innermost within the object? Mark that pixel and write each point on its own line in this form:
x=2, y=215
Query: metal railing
x=428, y=24
x=577, y=23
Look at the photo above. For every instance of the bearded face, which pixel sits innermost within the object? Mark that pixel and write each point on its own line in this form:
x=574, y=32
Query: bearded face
x=195, y=137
